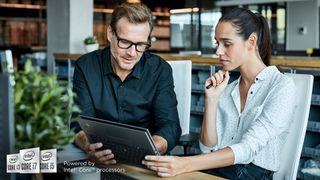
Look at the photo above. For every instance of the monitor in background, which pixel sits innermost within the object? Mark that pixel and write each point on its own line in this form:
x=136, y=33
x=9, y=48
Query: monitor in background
x=6, y=124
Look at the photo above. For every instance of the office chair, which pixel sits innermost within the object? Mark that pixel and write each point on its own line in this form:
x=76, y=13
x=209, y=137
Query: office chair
x=182, y=71
x=291, y=151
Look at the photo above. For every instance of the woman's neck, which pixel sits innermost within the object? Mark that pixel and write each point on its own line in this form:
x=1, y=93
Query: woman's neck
x=250, y=70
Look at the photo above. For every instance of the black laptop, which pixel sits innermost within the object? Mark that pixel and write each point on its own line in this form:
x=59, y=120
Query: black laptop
x=129, y=144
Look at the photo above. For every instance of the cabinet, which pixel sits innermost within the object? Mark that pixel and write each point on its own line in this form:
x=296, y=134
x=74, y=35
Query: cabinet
x=64, y=67
x=161, y=32
x=312, y=139
x=22, y=24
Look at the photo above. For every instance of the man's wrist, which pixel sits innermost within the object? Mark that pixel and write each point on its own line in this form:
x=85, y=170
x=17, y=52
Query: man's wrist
x=161, y=143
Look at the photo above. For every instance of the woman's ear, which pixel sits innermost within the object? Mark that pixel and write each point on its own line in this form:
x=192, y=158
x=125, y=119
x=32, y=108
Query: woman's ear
x=109, y=33
x=252, y=41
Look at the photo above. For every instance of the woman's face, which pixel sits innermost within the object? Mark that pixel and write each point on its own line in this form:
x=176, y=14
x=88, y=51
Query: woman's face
x=231, y=48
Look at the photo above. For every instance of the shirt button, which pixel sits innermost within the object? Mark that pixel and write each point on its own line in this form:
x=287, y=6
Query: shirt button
x=251, y=92
x=257, y=79
x=232, y=138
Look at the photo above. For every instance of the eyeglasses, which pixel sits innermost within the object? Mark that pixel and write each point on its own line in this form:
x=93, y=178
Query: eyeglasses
x=126, y=44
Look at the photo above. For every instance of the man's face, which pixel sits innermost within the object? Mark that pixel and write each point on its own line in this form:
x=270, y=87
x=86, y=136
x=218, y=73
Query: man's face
x=127, y=33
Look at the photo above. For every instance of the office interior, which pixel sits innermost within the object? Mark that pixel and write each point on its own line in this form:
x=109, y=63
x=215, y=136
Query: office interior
x=51, y=34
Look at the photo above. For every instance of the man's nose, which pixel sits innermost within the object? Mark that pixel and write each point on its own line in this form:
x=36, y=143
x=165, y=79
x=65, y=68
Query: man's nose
x=132, y=50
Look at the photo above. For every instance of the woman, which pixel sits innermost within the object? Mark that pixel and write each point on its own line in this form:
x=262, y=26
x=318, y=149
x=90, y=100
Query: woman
x=245, y=122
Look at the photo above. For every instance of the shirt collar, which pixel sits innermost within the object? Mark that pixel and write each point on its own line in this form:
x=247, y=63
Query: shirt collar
x=107, y=67
x=266, y=73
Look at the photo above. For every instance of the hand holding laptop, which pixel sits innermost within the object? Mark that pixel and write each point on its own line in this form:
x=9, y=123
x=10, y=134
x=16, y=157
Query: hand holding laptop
x=101, y=157
x=129, y=144
x=160, y=143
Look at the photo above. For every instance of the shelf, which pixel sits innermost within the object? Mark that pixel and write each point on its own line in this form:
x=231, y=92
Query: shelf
x=197, y=110
x=161, y=14
x=62, y=77
x=313, y=126
x=197, y=88
x=201, y=68
x=307, y=176
x=195, y=129
x=311, y=152
x=22, y=6
x=315, y=100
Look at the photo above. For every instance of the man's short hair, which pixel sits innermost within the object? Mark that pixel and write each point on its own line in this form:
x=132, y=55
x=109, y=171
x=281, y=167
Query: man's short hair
x=135, y=13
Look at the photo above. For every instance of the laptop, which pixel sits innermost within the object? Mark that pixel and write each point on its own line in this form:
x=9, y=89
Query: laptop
x=129, y=144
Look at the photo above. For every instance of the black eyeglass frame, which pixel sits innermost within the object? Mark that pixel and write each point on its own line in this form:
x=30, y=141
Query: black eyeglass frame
x=147, y=45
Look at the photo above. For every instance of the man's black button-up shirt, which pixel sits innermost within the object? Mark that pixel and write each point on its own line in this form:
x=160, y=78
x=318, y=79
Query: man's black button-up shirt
x=146, y=98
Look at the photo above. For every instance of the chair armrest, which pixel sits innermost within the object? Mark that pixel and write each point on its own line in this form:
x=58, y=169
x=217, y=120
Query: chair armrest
x=187, y=141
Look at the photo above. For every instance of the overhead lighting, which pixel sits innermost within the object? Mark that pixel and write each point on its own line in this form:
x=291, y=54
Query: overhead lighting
x=103, y=10
x=133, y=1
x=184, y=10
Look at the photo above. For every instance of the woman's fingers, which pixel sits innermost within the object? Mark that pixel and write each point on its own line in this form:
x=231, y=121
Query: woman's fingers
x=226, y=77
x=158, y=158
x=161, y=174
x=159, y=169
x=217, y=79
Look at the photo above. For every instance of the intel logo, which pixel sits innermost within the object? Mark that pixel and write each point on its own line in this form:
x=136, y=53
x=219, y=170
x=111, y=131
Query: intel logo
x=28, y=155
x=46, y=156
x=13, y=159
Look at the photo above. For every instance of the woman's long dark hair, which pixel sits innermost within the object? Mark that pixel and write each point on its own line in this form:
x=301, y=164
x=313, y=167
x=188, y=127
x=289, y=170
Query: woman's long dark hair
x=246, y=23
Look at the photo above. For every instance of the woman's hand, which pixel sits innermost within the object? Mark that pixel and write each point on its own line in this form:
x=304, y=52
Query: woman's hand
x=216, y=83
x=166, y=166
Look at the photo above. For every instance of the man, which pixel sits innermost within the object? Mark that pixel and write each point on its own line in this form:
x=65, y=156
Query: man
x=124, y=83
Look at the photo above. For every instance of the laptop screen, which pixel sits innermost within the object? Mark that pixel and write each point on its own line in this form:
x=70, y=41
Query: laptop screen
x=129, y=144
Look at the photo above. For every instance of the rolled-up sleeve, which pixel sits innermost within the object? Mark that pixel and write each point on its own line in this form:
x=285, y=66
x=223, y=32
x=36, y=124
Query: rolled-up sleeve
x=274, y=119
x=206, y=149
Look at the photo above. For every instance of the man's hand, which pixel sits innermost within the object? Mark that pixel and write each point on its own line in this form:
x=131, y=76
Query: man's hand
x=103, y=157
x=161, y=143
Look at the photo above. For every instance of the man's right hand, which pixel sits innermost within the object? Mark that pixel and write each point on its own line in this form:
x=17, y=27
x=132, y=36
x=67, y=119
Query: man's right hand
x=101, y=157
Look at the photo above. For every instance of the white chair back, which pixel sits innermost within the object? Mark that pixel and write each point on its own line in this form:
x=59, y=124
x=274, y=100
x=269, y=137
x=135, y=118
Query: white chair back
x=182, y=71
x=291, y=151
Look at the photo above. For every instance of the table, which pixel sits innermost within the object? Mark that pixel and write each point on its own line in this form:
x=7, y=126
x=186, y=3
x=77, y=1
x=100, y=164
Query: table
x=72, y=153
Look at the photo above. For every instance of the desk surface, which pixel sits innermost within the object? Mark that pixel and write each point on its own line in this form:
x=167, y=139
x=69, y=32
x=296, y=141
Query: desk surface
x=71, y=153
x=283, y=61
x=141, y=173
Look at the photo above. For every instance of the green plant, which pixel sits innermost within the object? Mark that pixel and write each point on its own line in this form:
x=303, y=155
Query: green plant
x=42, y=110
x=90, y=40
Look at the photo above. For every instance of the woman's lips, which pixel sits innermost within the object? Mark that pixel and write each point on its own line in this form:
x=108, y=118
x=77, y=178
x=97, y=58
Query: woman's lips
x=223, y=62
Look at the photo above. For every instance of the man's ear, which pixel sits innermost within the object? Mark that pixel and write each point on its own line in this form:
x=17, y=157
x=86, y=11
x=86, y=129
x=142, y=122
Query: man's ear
x=252, y=41
x=109, y=33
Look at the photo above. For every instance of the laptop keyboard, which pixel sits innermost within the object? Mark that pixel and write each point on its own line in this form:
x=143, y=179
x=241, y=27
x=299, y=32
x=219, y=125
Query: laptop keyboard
x=123, y=153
